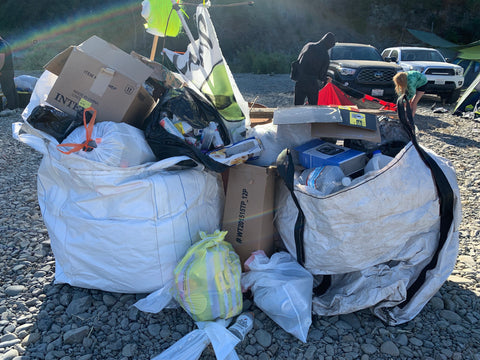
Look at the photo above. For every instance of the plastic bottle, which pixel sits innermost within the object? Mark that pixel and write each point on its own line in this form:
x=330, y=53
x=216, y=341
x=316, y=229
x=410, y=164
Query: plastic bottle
x=377, y=161
x=325, y=179
x=167, y=124
x=207, y=135
x=242, y=325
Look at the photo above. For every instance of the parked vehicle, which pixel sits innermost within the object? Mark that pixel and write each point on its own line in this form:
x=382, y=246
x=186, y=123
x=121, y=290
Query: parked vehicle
x=359, y=69
x=444, y=79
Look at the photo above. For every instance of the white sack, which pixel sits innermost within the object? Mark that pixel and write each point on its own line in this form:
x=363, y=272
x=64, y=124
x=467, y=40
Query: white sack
x=118, y=144
x=375, y=237
x=121, y=229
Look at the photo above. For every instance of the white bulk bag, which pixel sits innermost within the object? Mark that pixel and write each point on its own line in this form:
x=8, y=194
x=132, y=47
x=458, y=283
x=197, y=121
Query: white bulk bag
x=120, y=229
x=375, y=238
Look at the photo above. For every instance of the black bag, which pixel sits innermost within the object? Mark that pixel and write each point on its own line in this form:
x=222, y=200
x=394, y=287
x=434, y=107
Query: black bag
x=294, y=70
x=53, y=122
x=165, y=145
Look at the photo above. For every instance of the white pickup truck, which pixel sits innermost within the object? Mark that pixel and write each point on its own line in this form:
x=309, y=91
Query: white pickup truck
x=444, y=79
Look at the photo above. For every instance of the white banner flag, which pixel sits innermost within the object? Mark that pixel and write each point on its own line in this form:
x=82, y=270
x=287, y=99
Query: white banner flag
x=204, y=66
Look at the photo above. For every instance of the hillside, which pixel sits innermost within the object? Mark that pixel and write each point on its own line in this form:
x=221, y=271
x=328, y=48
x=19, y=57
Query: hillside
x=262, y=37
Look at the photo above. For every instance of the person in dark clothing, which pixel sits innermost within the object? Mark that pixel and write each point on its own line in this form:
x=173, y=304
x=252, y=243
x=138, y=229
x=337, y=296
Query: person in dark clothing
x=7, y=74
x=312, y=66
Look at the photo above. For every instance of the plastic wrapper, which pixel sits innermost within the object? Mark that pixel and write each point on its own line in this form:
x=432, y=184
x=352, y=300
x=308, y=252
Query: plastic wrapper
x=282, y=289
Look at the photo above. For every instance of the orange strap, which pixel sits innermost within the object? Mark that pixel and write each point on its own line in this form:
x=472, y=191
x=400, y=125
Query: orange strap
x=89, y=144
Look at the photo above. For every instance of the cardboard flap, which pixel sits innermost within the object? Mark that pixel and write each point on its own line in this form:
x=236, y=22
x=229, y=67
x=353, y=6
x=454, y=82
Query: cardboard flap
x=306, y=115
x=104, y=77
x=116, y=58
x=55, y=65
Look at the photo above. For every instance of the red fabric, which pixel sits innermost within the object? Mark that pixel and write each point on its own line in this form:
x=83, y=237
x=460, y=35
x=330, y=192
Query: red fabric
x=332, y=95
x=385, y=105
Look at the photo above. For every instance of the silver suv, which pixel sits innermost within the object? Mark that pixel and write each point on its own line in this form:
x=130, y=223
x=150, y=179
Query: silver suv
x=444, y=79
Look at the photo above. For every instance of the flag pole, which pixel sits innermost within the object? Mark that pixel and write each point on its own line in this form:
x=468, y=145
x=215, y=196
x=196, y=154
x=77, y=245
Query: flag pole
x=154, y=47
x=176, y=7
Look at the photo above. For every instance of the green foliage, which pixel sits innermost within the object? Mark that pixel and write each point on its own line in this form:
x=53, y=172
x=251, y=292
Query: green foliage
x=260, y=62
x=263, y=38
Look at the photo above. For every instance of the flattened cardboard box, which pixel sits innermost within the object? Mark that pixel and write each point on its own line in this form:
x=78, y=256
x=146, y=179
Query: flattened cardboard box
x=329, y=122
x=248, y=213
x=98, y=74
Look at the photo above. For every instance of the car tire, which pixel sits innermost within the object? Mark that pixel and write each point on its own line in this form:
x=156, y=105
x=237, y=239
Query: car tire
x=452, y=97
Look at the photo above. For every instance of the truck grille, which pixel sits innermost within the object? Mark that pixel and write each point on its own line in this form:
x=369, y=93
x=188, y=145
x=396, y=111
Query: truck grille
x=376, y=76
x=435, y=71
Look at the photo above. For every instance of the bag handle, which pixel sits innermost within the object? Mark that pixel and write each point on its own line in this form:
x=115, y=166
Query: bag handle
x=444, y=190
x=286, y=170
x=89, y=144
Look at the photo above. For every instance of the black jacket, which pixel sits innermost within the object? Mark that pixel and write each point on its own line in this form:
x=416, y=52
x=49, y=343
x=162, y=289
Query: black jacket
x=314, y=59
x=5, y=49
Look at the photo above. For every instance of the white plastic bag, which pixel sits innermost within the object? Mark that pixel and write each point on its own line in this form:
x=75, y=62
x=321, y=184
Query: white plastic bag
x=191, y=346
x=117, y=144
x=282, y=289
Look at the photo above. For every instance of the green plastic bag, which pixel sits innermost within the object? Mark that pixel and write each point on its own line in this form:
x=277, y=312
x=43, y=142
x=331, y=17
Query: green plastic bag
x=207, y=279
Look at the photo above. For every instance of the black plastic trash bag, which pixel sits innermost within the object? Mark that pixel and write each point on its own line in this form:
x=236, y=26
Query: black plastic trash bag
x=165, y=145
x=190, y=107
x=53, y=122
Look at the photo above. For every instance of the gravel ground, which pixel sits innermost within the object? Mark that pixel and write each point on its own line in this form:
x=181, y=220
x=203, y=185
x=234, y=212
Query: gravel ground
x=41, y=320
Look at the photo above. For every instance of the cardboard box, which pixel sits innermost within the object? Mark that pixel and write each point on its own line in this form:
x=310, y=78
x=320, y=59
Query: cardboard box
x=248, y=213
x=329, y=122
x=98, y=74
x=316, y=153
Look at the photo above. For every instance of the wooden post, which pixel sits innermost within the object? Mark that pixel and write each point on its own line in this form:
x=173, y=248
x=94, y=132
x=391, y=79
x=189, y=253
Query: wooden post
x=154, y=47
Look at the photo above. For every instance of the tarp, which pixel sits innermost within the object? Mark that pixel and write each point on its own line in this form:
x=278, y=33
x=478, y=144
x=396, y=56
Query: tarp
x=332, y=95
x=461, y=102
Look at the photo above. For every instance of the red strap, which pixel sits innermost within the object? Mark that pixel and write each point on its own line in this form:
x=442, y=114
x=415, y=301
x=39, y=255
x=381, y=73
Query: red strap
x=385, y=105
x=89, y=143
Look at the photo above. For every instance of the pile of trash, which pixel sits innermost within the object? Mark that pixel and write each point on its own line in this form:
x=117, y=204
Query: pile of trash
x=155, y=182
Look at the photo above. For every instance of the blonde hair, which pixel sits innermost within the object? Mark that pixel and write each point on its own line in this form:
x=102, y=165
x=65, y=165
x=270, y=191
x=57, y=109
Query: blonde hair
x=400, y=80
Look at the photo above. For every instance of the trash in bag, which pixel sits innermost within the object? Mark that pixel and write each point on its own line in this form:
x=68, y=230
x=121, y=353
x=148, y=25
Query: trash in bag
x=165, y=143
x=207, y=279
x=117, y=144
x=282, y=288
x=207, y=286
x=393, y=138
x=188, y=106
x=53, y=122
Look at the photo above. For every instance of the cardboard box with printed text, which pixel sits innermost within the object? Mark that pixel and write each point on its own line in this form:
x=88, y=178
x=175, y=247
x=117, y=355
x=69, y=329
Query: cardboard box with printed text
x=249, y=205
x=98, y=74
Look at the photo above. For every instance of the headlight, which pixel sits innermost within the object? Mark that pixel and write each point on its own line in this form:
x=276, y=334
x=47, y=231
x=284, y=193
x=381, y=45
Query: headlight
x=346, y=71
x=418, y=68
x=459, y=71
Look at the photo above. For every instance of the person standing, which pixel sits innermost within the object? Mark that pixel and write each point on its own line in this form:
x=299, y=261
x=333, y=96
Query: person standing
x=311, y=68
x=412, y=84
x=7, y=74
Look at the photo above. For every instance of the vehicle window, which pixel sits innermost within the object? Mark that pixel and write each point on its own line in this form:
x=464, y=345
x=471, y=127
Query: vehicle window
x=385, y=53
x=355, y=53
x=422, y=55
x=394, y=53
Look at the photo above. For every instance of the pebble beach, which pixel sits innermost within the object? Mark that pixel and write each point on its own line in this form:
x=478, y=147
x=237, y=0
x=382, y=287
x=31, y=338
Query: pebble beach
x=43, y=320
